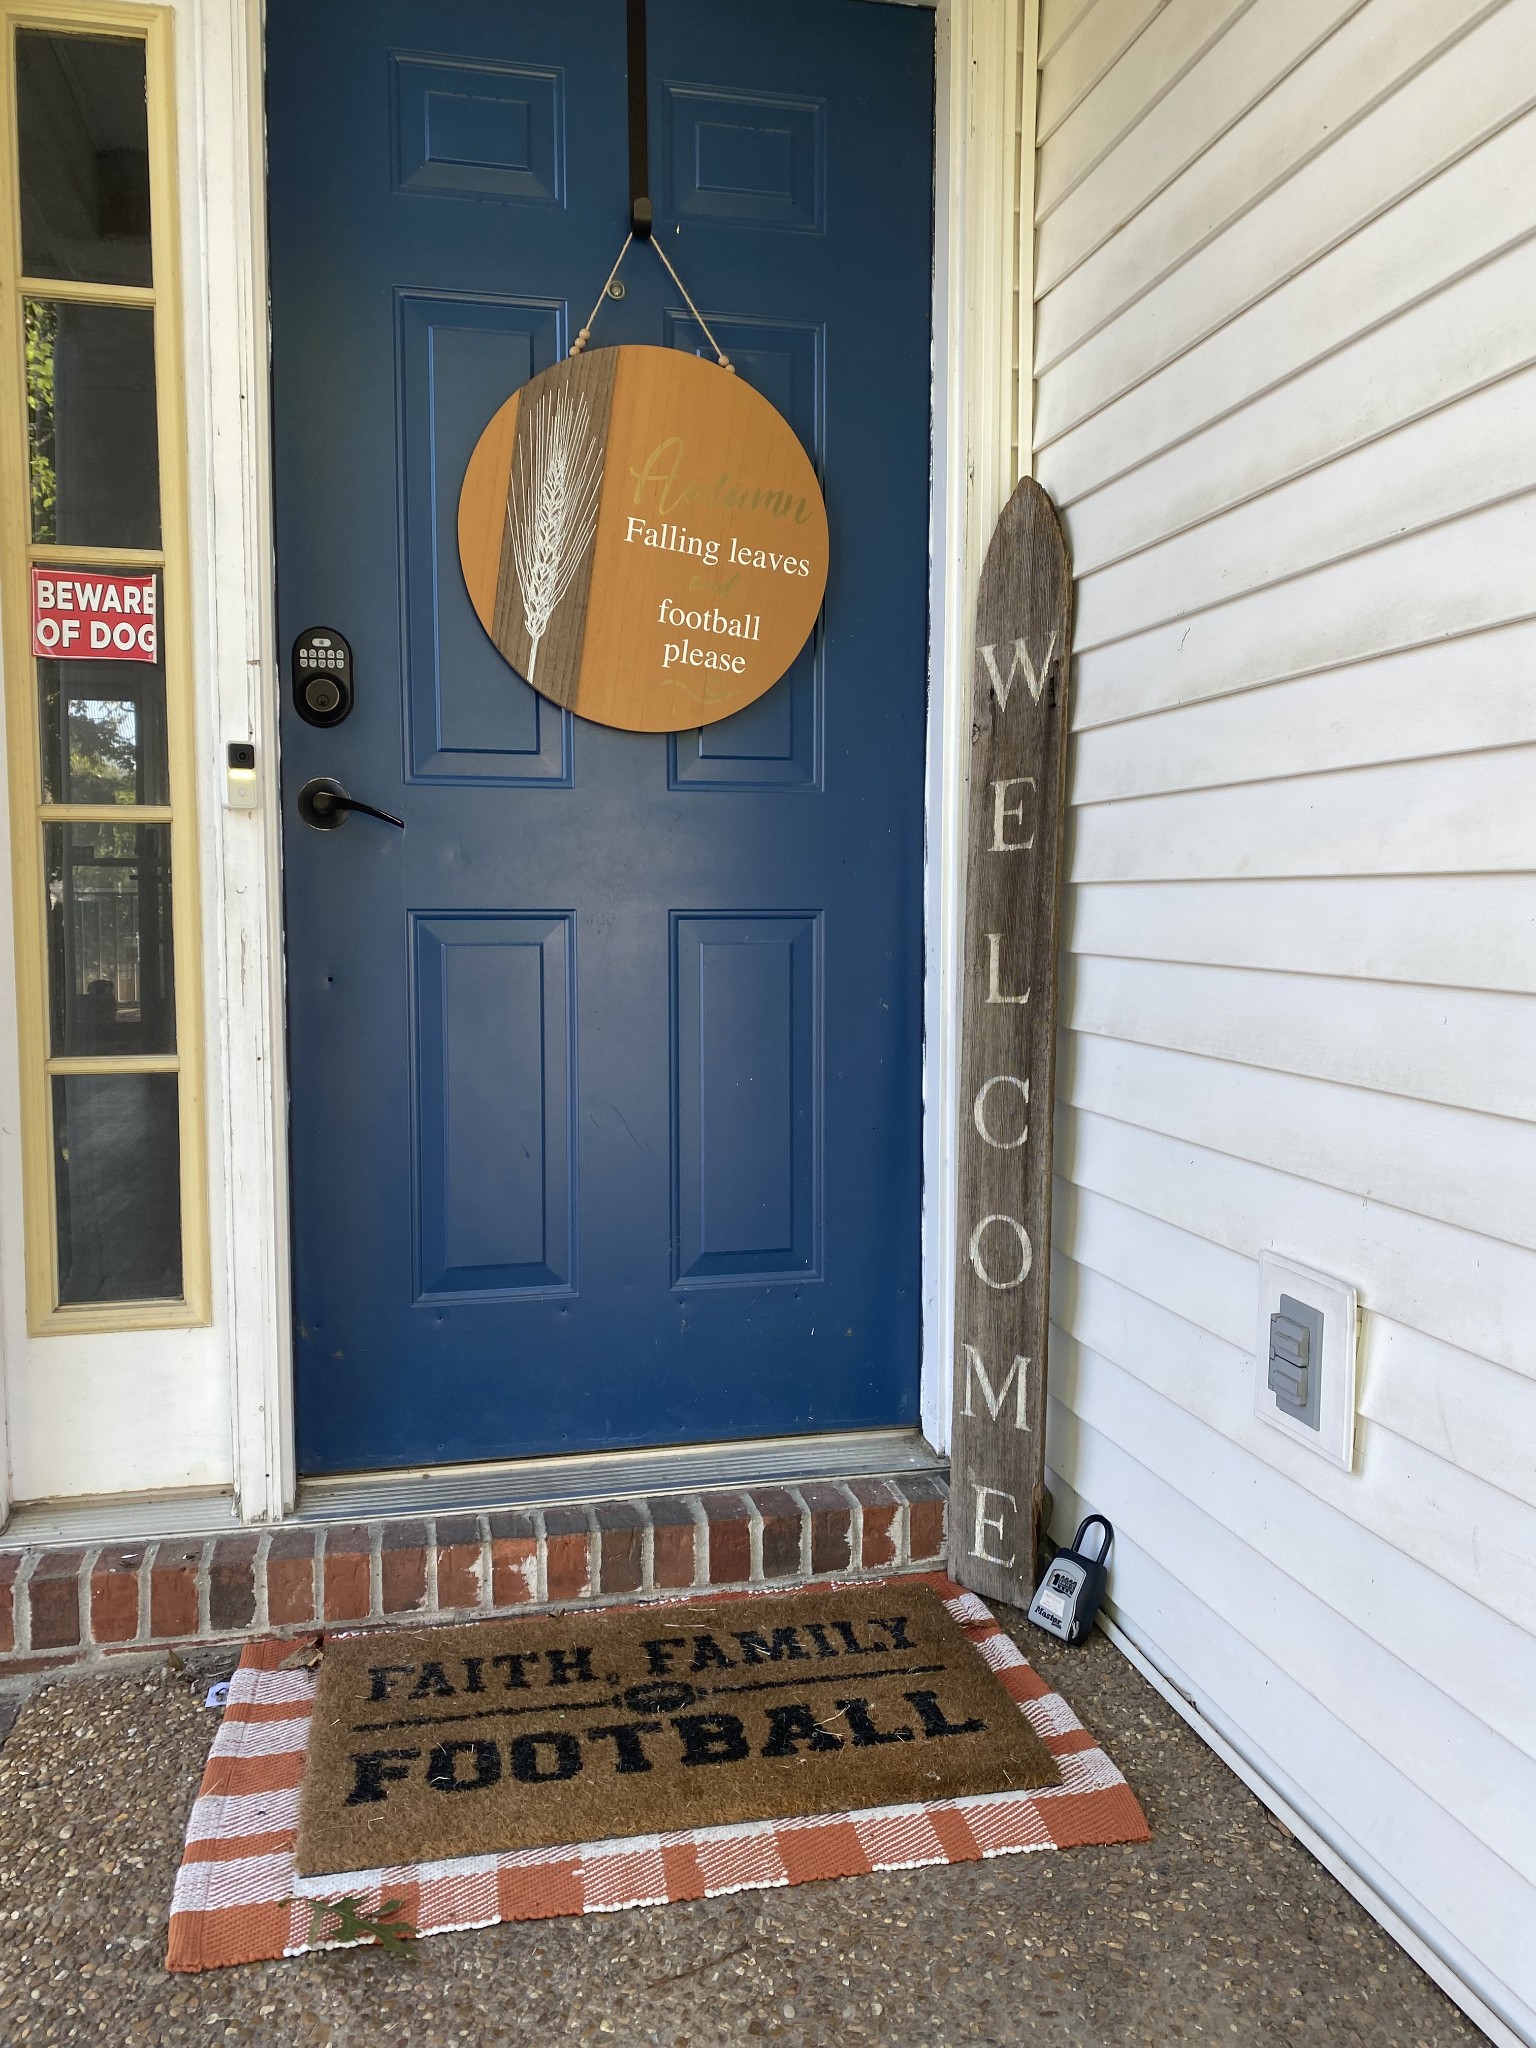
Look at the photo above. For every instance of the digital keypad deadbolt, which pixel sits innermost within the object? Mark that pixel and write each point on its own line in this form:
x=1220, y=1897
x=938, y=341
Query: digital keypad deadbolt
x=322, y=676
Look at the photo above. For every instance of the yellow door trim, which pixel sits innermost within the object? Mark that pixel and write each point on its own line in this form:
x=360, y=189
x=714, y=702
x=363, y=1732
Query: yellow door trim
x=152, y=26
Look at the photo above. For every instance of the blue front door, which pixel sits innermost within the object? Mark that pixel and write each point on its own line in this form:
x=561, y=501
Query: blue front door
x=606, y=1087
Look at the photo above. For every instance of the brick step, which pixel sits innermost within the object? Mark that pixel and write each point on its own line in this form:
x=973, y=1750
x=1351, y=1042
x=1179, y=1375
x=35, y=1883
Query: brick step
x=68, y=1606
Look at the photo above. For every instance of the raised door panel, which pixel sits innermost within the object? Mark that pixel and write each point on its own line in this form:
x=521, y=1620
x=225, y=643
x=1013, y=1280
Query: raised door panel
x=494, y=1104
x=478, y=130
x=776, y=742
x=746, y=1088
x=755, y=159
x=468, y=717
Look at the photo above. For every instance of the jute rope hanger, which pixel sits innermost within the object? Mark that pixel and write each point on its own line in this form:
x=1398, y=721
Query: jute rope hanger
x=584, y=334
x=641, y=213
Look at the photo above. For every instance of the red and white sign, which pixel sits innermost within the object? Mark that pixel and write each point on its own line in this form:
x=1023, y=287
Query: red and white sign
x=78, y=615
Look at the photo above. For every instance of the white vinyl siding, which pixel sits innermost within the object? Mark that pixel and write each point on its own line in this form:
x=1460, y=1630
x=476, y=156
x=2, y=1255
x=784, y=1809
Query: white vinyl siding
x=1285, y=352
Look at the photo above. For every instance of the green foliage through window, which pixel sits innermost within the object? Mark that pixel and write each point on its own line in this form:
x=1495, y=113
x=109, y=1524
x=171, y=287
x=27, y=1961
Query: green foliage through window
x=42, y=334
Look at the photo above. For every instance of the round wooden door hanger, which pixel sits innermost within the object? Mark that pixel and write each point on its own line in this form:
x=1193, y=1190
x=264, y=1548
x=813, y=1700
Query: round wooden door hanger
x=644, y=539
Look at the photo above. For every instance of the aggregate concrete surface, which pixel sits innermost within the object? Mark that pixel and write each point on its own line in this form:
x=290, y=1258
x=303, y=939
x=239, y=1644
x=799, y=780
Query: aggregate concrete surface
x=1223, y=1928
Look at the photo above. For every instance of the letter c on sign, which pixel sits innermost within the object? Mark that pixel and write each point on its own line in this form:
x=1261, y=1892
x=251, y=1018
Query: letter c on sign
x=1025, y=1252
x=979, y=1111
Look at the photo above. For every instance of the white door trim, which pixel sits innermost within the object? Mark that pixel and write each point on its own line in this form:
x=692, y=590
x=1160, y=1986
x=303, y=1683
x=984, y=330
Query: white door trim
x=229, y=161
x=983, y=332
x=980, y=418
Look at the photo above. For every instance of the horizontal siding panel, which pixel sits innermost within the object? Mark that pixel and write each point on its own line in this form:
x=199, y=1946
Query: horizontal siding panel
x=1472, y=812
x=1458, y=341
x=1447, y=1165
x=1470, y=1904
x=1172, y=42
x=1461, y=457
x=1462, y=1048
x=1463, y=578
x=1057, y=20
x=1440, y=231
x=1467, y=1412
x=1195, y=257
x=1472, y=1292
x=1457, y=697
x=1454, y=931
x=1086, y=53
x=1233, y=1479
x=1259, y=46
x=1208, y=1286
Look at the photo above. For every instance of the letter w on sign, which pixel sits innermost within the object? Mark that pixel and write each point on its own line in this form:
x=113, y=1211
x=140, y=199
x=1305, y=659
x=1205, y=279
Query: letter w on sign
x=1008, y=1047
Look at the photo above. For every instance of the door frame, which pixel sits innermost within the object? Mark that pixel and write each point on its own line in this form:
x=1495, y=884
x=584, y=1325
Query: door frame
x=983, y=326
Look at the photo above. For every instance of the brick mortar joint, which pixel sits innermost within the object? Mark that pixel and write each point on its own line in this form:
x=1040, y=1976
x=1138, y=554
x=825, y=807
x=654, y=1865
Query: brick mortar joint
x=855, y=1525
x=486, y=1568
x=647, y=1548
x=807, y=1529
x=430, y=1600
x=83, y=1577
x=262, y=1618
x=541, y=1558
x=594, y=1552
x=141, y=1634
x=695, y=1505
x=21, y=1604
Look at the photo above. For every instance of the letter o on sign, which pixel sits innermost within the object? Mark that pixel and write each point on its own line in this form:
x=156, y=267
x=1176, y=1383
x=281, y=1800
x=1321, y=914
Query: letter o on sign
x=1023, y=1252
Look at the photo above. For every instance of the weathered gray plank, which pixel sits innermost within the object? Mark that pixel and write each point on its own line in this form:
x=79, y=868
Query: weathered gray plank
x=1008, y=1047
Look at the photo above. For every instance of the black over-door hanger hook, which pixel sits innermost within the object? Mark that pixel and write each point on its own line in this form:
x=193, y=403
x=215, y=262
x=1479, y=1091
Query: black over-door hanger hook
x=641, y=214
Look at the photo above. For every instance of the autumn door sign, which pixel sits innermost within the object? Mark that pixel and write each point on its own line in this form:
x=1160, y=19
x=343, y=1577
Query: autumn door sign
x=644, y=538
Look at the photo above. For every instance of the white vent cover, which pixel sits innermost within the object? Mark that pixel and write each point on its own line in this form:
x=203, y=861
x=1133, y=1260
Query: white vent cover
x=1333, y=1361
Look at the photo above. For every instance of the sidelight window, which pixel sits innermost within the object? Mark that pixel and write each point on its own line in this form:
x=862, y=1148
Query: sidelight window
x=98, y=716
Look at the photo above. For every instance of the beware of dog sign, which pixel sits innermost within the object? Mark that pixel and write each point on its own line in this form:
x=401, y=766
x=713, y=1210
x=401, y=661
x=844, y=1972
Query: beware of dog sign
x=85, y=616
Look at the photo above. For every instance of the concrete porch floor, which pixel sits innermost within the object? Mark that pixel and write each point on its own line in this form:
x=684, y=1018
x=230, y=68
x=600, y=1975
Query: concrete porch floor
x=1222, y=1929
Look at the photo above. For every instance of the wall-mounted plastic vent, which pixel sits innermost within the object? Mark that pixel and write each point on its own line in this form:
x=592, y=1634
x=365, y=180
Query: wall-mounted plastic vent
x=1304, y=1382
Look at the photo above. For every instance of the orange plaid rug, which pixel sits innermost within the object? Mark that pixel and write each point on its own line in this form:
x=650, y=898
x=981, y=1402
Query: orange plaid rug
x=239, y=1900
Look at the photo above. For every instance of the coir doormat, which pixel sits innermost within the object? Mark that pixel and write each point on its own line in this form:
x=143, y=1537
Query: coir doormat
x=513, y=1735
x=659, y=1812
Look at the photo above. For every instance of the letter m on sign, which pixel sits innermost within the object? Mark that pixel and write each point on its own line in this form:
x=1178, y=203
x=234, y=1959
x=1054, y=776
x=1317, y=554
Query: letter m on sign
x=1016, y=1377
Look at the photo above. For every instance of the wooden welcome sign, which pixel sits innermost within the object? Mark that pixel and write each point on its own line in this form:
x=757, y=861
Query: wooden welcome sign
x=644, y=538
x=1008, y=1048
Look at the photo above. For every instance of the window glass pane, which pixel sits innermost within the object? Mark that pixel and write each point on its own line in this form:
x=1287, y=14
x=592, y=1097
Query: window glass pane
x=91, y=433
x=109, y=938
x=103, y=732
x=83, y=138
x=117, y=1162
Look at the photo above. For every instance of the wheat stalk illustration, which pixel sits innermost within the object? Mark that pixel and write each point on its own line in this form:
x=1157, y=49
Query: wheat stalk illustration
x=552, y=513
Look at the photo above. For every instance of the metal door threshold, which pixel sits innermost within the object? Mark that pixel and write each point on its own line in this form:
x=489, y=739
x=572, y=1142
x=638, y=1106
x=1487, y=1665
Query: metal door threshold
x=607, y=1475
x=137, y=1518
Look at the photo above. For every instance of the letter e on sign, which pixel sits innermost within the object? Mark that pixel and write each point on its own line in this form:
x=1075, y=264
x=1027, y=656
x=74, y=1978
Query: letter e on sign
x=84, y=616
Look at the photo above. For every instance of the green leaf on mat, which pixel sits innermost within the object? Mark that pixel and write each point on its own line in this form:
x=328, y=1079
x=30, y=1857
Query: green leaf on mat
x=386, y=1928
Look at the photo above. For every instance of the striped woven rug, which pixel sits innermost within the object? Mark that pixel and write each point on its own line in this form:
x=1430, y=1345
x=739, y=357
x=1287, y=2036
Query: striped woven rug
x=238, y=1898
